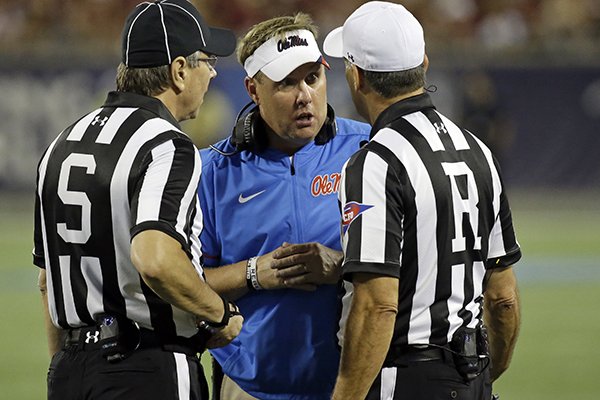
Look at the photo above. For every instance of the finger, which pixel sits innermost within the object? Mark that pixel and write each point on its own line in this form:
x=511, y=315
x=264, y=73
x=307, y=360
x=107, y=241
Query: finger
x=301, y=279
x=283, y=263
x=289, y=249
x=214, y=343
x=293, y=271
x=289, y=261
x=219, y=340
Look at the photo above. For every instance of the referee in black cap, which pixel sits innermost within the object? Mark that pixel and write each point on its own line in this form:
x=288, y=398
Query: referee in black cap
x=117, y=221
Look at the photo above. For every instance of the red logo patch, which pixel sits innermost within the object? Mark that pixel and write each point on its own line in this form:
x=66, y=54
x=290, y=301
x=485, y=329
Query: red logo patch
x=323, y=185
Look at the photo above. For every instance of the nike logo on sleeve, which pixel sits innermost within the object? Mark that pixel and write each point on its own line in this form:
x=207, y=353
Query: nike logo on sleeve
x=243, y=199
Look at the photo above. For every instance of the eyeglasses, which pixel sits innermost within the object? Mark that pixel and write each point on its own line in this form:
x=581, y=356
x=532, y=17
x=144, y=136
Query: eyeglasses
x=211, y=61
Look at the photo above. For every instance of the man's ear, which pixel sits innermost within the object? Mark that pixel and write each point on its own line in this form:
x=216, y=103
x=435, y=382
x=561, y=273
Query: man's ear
x=426, y=62
x=250, y=84
x=178, y=70
x=358, y=79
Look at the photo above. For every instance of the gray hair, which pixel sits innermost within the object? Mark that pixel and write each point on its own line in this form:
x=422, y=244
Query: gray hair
x=393, y=84
x=149, y=81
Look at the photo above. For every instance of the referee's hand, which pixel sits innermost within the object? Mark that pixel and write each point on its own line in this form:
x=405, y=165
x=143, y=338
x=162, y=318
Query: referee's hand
x=222, y=336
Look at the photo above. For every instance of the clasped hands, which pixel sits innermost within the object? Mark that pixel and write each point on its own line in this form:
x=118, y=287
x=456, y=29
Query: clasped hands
x=299, y=266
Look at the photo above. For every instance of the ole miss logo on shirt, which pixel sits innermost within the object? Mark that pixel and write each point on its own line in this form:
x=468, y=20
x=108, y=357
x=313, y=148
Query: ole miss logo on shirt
x=351, y=211
x=322, y=185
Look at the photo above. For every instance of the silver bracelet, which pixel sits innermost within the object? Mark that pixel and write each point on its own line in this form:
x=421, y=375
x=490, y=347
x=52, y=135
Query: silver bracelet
x=252, y=274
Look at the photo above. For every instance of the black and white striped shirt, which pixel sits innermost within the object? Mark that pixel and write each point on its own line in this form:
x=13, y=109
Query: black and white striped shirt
x=121, y=169
x=423, y=201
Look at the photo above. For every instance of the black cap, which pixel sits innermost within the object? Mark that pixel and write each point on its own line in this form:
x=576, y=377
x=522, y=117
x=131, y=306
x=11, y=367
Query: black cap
x=155, y=33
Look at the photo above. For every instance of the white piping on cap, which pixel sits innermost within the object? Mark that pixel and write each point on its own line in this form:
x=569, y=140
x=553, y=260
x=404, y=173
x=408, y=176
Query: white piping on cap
x=162, y=21
x=131, y=28
x=191, y=16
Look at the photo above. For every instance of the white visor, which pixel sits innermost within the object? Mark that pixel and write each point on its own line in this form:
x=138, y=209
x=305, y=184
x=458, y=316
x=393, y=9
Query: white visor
x=278, y=57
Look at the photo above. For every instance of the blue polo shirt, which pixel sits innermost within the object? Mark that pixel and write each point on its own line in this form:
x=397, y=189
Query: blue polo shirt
x=251, y=204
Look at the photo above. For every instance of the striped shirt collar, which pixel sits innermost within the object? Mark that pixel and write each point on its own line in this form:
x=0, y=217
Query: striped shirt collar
x=398, y=110
x=152, y=104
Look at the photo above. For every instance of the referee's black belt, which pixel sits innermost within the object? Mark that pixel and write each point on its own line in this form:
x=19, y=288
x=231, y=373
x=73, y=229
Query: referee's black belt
x=89, y=338
x=417, y=353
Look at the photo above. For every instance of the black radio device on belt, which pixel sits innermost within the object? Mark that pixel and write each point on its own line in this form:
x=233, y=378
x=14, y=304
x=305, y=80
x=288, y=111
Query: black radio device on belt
x=119, y=337
x=470, y=349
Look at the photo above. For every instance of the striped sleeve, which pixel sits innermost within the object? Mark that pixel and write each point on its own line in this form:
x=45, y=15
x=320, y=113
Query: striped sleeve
x=39, y=250
x=371, y=238
x=38, y=243
x=167, y=194
x=503, y=250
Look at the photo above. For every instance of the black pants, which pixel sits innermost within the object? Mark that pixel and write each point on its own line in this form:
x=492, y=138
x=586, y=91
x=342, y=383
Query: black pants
x=145, y=375
x=429, y=380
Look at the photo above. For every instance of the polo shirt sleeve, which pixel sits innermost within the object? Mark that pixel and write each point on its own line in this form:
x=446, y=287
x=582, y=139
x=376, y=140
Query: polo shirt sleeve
x=211, y=249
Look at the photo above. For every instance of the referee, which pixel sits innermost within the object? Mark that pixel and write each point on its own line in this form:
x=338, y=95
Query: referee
x=117, y=219
x=427, y=231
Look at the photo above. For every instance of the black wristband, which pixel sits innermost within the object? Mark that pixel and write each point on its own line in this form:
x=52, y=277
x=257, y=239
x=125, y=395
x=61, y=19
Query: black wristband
x=226, y=315
x=229, y=310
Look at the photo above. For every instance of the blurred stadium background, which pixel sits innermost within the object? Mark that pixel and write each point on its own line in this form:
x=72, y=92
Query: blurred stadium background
x=522, y=74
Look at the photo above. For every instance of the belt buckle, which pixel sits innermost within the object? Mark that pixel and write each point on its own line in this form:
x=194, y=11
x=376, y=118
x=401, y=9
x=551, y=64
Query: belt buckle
x=420, y=347
x=72, y=337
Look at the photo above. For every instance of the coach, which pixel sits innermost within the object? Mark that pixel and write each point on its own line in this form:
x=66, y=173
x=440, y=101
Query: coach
x=275, y=181
x=427, y=233
x=116, y=220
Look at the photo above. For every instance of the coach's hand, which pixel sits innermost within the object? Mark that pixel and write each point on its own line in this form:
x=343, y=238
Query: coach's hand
x=307, y=263
x=268, y=274
x=223, y=336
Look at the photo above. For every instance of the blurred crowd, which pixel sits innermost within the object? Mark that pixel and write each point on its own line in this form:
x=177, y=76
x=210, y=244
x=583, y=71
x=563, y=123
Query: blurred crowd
x=543, y=26
x=492, y=60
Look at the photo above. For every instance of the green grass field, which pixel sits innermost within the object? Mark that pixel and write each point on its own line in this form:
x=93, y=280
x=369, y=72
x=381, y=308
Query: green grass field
x=556, y=357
